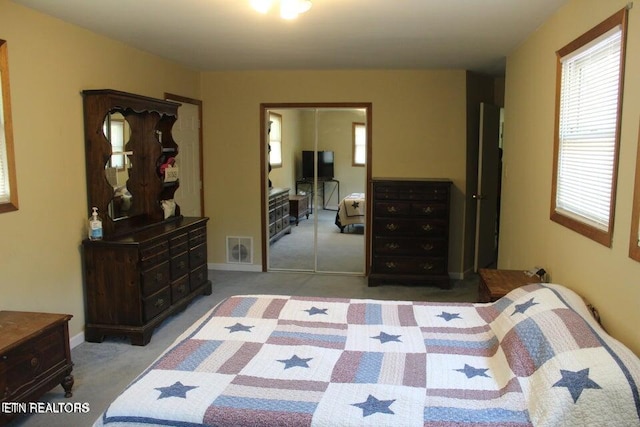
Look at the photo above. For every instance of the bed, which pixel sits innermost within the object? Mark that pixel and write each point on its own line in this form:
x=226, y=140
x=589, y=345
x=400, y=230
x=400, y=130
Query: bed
x=351, y=210
x=534, y=357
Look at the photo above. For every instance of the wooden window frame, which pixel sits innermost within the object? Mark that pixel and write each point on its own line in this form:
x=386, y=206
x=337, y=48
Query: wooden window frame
x=603, y=237
x=12, y=203
x=634, y=238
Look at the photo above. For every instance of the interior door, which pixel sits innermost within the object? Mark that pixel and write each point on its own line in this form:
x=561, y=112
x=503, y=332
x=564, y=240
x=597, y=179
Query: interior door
x=186, y=132
x=487, y=195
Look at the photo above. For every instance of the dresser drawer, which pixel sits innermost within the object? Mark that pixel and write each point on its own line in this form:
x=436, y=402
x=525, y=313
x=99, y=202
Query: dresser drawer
x=410, y=191
x=409, y=227
x=179, y=289
x=198, y=276
x=155, y=278
x=28, y=364
x=179, y=265
x=430, y=210
x=409, y=246
x=179, y=244
x=391, y=208
x=156, y=303
x=197, y=236
x=153, y=254
x=409, y=265
x=198, y=256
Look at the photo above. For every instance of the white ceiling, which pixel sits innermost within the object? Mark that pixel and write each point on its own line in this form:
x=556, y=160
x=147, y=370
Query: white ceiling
x=335, y=34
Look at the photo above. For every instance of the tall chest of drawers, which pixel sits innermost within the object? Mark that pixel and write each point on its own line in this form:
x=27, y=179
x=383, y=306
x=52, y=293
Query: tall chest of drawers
x=410, y=231
x=136, y=281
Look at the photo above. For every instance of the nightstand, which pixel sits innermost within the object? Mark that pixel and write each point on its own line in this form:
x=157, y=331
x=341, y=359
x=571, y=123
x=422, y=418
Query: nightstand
x=34, y=356
x=298, y=206
x=494, y=284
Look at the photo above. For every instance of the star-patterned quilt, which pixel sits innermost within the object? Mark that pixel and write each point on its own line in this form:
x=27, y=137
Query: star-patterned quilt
x=533, y=358
x=351, y=210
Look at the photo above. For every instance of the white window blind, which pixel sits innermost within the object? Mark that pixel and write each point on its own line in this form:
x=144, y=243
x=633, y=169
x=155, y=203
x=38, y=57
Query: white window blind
x=589, y=97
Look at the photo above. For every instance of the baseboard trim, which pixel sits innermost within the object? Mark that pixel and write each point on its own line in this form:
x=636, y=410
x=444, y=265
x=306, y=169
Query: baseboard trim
x=235, y=267
x=76, y=340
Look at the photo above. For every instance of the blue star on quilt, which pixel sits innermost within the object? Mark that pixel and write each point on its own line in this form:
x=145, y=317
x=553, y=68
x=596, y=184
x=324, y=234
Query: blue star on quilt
x=177, y=389
x=295, y=361
x=576, y=382
x=373, y=405
x=355, y=205
x=471, y=372
x=316, y=310
x=521, y=308
x=384, y=337
x=238, y=327
x=449, y=316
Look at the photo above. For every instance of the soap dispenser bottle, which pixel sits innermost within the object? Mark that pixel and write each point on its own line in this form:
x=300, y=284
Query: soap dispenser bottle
x=95, y=226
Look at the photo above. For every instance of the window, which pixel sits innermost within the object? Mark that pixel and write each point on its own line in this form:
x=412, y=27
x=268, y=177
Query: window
x=114, y=131
x=588, y=103
x=8, y=185
x=359, y=144
x=275, y=140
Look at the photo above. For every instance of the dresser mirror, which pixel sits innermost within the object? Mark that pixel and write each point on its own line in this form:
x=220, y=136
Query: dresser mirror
x=634, y=239
x=117, y=131
x=127, y=139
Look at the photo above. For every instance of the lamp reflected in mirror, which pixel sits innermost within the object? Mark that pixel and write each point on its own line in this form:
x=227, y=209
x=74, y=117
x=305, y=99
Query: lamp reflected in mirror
x=634, y=239
x=117, y=131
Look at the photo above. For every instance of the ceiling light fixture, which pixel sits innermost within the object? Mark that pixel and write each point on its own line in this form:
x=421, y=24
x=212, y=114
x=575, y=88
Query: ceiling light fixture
x=289, y=9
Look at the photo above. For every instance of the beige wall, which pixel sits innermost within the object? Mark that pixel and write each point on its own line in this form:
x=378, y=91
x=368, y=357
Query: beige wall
x=418, y=131
x=50, y=62
x=605, y=276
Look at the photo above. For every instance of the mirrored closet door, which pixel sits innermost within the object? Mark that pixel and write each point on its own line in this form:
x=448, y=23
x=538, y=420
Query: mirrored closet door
x=317, y=166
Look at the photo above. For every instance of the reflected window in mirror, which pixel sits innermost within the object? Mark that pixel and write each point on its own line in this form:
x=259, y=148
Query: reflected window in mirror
x=8, y=183
x=359, y=131
x=275, y=140
x=117, y=131
x=634, y=240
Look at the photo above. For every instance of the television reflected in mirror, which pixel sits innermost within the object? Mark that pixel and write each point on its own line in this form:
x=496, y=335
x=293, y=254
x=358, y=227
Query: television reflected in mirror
x=324, y=165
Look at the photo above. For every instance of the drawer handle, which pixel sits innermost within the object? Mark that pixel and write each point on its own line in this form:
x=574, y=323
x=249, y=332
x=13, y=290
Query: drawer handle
x=427, y=227
x=427, y=266
x=159, y=277
x=428, y=210
x=392, y=227
x=392, y=246
x=181, y=289
x=391, y=209
x=34, y=362
x=391, y=264
x=181, y=265
x=159, y=303
x=427, y=246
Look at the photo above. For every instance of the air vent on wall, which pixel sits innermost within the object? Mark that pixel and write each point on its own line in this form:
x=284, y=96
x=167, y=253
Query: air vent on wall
x=239, y=250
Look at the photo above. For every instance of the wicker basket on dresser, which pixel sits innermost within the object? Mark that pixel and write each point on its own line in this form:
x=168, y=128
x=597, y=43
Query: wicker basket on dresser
x=410, y=231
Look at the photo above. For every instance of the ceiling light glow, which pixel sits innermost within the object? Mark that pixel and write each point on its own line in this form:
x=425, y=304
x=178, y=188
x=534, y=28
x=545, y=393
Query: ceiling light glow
x=289, y=9
x=262, y=6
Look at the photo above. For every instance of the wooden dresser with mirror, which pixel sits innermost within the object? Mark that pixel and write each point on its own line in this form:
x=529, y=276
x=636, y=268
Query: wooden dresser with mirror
x=151, y=261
